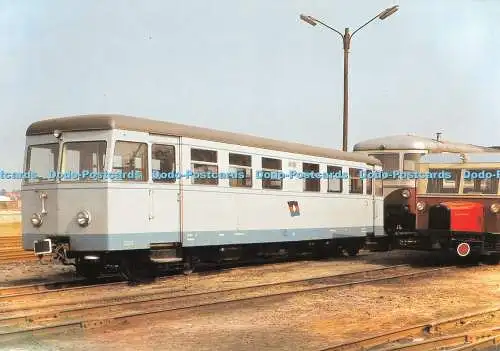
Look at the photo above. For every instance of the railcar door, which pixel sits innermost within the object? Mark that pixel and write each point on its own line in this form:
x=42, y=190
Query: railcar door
x=374, y=203
x=164, y=192
x=378, y=205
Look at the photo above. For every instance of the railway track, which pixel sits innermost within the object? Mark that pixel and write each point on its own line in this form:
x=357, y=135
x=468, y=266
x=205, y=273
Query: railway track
x=80, y=283
x=68, y=293
x=53, y=294
x=98, y=314
x=64, y=286
x=479, y=330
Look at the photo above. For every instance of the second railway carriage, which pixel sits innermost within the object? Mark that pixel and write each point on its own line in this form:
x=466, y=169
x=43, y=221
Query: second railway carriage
x=458, y=205
x=119, y=191
x=400, y=155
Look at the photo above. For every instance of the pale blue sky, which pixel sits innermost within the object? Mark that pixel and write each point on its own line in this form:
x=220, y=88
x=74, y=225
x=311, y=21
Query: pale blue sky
x=252, y=66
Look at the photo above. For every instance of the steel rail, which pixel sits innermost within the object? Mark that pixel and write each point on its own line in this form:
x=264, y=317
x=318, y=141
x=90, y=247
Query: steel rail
x=435, y=327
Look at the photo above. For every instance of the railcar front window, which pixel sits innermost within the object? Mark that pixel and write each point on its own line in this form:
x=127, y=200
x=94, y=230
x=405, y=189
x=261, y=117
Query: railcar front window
x=83, y=161
x=447, y=183
x=42, y=160
x=241, y=167
x=390, y=161
x=131, y=161
x=481, y=185
x=163, y=163
x=410, y=161
x=271, y=174
x=204, y=165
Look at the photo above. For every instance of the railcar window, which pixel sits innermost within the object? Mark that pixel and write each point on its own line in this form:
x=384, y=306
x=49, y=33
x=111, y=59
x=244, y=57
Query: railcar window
x=240, y=165
x=439, y=185
x=163, y=163
x=369, y=186
x=42, y=160
x=356, y=183
x=390, y=161
x=81, y=158
x=410, y=161
x=482, y=185
x=311, y=174
x=132, y=159
x=204, y=166
x=379, y=188
x=271, y=174
x=334, y=179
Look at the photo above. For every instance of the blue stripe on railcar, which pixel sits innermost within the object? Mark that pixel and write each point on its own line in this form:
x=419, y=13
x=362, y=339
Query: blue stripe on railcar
x=129, y=241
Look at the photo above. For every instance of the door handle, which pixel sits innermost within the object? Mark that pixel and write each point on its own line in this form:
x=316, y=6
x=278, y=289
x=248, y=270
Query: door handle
x=151, y=204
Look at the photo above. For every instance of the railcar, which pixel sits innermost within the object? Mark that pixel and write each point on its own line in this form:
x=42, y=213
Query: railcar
x=458, y=205
x=400, y=154
x=129, y=193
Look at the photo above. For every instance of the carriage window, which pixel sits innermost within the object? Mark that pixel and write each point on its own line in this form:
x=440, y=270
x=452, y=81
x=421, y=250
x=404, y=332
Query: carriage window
x=390, y=162
x=271, y=174
x=204, y=166
x=410, y=161
x=482, y=185
x=379, y=188
x=131, y=159
x=42, y=160
x=334, y=179
x=83, y=161
x=444, y=186
x=311, y=180
x=241, y=166
x=163, y=163
x=369, y=186
x=356, y=183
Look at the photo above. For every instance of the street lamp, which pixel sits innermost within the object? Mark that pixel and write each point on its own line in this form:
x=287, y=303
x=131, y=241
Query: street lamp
x=346, y=38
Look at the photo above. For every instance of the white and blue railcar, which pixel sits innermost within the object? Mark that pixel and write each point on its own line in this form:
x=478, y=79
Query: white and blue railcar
x=112, y=190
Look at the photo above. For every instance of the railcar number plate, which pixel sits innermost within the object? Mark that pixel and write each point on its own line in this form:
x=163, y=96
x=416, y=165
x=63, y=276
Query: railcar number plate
x=42, y=247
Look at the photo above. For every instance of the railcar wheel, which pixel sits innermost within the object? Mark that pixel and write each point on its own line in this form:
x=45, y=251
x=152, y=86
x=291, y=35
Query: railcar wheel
x=136, y=270
x=88, y=271
x=385, y=244
x=292, y=252
x=352, y=251
x=320, y=252
x=492, y=259
x=188, y=268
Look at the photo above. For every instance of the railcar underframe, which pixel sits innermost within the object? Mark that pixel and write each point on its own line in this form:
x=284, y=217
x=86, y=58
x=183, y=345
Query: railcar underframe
x=136, y=264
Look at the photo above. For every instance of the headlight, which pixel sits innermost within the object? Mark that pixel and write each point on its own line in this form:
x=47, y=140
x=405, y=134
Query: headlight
x=36, y=220
x=83, y=218
x=420, y=206
x=405, y=193
x=495, y=208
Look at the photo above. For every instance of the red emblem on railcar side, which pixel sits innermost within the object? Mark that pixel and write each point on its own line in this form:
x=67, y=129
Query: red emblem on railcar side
x=293, y=206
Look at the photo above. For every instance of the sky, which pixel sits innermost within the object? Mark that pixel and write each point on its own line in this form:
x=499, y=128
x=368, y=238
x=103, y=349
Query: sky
x=251, y=66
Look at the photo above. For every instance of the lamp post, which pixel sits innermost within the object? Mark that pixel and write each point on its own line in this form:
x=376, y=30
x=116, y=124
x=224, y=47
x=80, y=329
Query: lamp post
x=346, y=39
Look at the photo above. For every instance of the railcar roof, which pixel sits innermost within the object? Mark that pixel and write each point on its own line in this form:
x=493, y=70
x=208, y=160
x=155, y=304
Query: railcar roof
x=450, y=158
x=107, y=122
x=413, y=142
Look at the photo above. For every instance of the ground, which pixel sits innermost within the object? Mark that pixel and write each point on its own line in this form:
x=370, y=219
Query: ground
x=307, y=321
